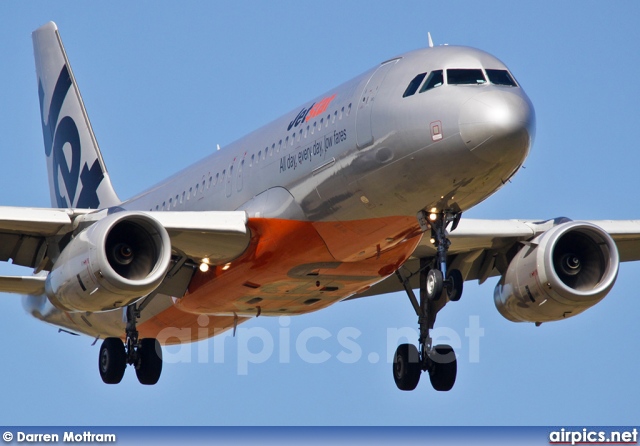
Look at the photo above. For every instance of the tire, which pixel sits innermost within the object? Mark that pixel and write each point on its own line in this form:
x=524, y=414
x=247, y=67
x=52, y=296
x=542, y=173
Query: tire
x=112, y=360
x=406, y=367
x=455, y=283
x=434, y=284
x=149, y=365
x=444, y=368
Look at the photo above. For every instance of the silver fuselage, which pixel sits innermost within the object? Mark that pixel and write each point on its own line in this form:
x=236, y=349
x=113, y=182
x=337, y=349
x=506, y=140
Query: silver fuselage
x=372, y=152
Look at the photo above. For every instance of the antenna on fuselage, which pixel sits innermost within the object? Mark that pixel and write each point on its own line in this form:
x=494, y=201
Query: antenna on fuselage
x=218, y=146
x=430, y=40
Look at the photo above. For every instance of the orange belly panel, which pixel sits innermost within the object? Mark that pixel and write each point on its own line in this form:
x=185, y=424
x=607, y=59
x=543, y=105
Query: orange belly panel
x=289, y=268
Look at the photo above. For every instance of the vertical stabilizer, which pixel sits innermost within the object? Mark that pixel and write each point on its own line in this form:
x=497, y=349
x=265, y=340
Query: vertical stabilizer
x=78, y=177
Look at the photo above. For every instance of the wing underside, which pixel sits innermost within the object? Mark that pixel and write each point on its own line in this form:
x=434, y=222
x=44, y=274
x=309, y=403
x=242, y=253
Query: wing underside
x=30, y=237
x=480, y=248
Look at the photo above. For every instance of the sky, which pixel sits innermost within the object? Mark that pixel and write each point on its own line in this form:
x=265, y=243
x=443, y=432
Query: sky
x=165, y=82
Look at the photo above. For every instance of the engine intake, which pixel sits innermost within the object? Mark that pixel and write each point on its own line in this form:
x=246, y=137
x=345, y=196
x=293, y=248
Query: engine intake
x=110, y=264
x=559, y=274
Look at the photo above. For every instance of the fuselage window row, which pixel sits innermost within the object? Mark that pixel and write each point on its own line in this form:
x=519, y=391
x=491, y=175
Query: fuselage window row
x=268, y=152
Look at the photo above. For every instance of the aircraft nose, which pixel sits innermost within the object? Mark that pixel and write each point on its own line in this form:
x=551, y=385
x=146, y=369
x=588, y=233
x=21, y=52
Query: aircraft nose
x=498, y=126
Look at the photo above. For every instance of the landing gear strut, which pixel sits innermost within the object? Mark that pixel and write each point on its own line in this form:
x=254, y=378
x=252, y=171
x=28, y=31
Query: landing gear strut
x=144, y=354
x=440, y=360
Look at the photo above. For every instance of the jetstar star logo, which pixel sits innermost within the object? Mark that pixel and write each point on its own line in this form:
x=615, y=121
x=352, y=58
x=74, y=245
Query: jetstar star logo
x=316, y=109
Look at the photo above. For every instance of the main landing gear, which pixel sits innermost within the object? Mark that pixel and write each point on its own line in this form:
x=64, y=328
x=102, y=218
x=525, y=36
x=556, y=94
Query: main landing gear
x=144, y=354
x=440, y=360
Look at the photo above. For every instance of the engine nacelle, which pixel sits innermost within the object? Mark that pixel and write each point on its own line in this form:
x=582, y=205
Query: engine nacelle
x=110, y=264
x=559, y=274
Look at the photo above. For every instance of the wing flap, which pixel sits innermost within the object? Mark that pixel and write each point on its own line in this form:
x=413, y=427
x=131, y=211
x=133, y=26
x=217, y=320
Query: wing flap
x=35, y=221
x=31, y=285
x=23, y=232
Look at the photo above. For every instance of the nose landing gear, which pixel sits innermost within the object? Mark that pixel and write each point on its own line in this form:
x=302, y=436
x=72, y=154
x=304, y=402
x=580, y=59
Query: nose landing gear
x=440, y=360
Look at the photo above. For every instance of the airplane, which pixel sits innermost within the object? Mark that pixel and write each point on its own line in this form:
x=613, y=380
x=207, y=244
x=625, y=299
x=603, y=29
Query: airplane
x=355, y=193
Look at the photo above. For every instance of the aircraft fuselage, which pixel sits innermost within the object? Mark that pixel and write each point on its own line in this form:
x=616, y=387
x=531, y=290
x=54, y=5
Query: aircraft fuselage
x=332, y=188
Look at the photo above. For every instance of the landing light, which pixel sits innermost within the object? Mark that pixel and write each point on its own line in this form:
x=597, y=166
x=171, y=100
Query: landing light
x=226, y=266
x=204, y=267
x=433, y=217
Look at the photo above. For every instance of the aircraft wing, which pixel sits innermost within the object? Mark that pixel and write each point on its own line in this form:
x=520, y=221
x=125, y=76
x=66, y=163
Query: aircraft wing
x=26, y=234
x=479, y=248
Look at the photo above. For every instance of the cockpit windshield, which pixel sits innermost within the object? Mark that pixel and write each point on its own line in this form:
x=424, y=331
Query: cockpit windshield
x=459, y=76
x=434, y=80
x=501, y=77
x=465, y=77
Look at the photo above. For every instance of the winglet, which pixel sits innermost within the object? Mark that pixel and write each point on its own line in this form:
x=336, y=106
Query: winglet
x=78, y=177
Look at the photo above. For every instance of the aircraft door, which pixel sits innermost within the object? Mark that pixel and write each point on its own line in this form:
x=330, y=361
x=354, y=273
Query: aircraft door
x=239, y=179
x=229, y=185
x=364, y=131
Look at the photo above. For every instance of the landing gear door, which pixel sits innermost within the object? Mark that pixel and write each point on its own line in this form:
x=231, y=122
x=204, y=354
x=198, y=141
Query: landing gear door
x=364, y=132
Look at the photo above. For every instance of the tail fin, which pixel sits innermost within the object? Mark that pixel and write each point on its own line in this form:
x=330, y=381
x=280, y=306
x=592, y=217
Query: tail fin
x=78, y=177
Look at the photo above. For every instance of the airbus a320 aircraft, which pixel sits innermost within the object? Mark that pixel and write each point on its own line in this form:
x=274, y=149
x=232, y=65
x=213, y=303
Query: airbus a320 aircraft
x=357, y=192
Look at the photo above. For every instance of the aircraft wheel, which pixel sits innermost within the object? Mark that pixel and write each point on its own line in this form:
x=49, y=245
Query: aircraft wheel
x=149, y=364
x=406, y=367
x=434, y=284
x=444, y=368
x=112, y=360
x=454, y=285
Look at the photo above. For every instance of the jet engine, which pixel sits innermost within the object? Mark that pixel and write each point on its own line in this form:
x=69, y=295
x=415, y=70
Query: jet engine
x=559, y=274
x=110, y=264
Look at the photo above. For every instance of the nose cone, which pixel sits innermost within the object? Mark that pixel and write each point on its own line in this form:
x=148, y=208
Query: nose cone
x=498, y=126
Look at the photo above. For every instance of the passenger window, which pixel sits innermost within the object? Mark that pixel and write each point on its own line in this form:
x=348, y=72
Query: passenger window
x=414, y=85
x=465, y=77
x=501, y=77
x=434, y=80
